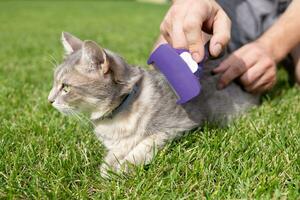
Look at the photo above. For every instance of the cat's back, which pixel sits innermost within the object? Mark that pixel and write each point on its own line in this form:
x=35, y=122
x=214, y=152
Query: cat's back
x=219, y=106
x=211, y=105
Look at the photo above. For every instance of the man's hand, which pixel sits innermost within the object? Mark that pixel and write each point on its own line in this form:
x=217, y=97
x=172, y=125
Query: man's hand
x=186, y=19
x=253, y=64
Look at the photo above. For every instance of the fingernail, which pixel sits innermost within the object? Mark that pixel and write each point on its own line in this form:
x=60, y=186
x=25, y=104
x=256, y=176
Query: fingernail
x=217, y=49
x=214, y=72
x=196, y=56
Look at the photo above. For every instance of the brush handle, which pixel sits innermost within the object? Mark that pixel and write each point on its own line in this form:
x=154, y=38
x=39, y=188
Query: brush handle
x=196, y=68
x=179, y=70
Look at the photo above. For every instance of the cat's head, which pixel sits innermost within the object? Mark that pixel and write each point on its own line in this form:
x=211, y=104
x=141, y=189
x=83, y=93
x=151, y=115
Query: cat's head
x=90, y=79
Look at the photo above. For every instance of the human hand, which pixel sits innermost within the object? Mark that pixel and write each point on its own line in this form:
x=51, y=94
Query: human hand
x=186, y=19
x=254, y=66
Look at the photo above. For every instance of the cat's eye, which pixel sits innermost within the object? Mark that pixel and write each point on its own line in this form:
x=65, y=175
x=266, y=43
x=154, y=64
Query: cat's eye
x=65, y=88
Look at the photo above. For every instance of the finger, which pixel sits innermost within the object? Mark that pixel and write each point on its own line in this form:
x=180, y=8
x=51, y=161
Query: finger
x=161, y=40
x=268, y=78
x=192, y=30
x=263, y=88
x=236, y=66
x=177, y=34
x=253, y=74
x=168, y=39
x=221, y=33
x=165, y=27
x=240, y=56
x=224, y=65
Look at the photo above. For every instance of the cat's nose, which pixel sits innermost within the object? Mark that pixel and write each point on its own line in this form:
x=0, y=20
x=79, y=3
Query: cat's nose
x=51, y=96
x=51, y=101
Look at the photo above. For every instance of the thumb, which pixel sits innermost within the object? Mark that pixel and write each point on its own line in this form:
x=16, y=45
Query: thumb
x=221, y=33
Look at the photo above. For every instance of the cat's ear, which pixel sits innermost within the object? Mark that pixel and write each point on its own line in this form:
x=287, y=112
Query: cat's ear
x=70, y=42
x=94, y=56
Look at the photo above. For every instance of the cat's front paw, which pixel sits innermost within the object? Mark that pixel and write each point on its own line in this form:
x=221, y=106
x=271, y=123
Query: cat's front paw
x=104, y=171
x=107, y=171
x=113, y=163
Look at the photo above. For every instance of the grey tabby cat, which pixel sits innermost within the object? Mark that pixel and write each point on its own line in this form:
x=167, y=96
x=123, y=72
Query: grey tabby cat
x=134, y=110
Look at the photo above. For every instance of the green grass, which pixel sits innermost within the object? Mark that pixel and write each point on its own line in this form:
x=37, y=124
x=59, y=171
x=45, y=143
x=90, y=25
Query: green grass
x=45, y=155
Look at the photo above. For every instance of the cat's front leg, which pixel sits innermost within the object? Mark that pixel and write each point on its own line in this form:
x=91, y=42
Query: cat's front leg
x=144, y=151
x=111, y=161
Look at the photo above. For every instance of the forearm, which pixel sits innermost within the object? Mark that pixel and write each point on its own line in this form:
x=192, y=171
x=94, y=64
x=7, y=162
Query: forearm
x=284, y=35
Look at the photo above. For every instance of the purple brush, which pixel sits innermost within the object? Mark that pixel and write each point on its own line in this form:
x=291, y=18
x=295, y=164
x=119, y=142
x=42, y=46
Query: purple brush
x=180, y=70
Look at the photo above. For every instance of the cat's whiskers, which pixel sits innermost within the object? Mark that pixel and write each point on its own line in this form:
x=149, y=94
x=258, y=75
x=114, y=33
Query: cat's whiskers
x=81, y=117
x=53, y=61
x=88, y=120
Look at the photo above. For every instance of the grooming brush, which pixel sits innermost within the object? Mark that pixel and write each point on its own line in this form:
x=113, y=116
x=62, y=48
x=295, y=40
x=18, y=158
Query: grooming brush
x=180, y=70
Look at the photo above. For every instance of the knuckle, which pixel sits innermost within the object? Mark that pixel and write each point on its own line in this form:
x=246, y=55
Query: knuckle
x=272, y=74
x=269, y=62
x=271, y=79
x=227, y=36
x=257, y=52
x=245, y=81
x=174, y=11
x=163, y=28
x=189, y=24
x=237, y=69
x=194, y=46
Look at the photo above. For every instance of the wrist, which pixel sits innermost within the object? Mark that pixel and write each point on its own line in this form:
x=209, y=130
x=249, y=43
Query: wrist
x=284, y=34
x=274, y=46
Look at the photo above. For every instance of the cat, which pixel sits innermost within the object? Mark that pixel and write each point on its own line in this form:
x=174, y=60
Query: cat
x=134, y=110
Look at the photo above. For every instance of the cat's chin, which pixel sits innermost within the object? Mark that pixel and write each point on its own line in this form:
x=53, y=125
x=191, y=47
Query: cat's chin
x=98, y=115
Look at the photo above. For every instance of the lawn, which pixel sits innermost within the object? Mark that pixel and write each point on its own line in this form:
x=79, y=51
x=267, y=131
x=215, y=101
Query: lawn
x=46, y=155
